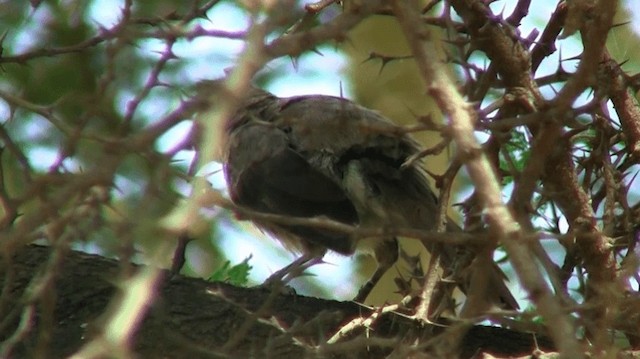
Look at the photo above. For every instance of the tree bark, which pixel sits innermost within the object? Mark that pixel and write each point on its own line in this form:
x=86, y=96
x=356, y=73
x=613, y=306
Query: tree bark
x=195, y=318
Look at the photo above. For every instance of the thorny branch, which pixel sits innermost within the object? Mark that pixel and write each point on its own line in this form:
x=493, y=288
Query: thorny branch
x=567, y=162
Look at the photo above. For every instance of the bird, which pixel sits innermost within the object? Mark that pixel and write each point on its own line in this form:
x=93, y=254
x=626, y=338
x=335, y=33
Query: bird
x=324, y=156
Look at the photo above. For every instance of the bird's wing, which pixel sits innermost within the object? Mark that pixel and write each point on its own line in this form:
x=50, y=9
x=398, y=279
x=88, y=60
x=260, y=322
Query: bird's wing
x=364, y=153
x=265, y=174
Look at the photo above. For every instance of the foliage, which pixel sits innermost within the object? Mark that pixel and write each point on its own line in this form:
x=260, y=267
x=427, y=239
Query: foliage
x=237, y=274
x=105, y=144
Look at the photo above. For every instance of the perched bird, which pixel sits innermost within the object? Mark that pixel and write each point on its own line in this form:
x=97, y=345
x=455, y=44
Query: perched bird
x=309, y=156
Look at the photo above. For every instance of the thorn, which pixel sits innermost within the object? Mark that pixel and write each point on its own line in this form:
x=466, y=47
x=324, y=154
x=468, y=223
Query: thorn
x=620, y=24
x=294, y=63
x=385, y=59
x=318, y=6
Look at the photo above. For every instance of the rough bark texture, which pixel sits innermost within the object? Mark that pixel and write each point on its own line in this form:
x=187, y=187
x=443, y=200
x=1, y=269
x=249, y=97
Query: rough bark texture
x=194, y=318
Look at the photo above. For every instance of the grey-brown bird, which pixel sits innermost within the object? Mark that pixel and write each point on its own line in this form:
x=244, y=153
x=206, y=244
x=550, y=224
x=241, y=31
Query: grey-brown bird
x=309, y=156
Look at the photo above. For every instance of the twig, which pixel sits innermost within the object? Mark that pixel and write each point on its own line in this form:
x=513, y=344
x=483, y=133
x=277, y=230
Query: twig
x=482, y=174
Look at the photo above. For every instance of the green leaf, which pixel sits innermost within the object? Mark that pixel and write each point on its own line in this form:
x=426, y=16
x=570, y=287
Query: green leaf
x=236, y=275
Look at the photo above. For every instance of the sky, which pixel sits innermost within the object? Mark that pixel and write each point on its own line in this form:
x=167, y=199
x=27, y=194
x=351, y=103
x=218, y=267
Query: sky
x=313, y=74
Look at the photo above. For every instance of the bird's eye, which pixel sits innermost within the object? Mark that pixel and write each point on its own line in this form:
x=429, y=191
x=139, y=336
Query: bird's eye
x=375, y=189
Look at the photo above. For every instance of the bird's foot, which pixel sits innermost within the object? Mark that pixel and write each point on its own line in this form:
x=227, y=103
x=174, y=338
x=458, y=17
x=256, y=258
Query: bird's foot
x=278, y=280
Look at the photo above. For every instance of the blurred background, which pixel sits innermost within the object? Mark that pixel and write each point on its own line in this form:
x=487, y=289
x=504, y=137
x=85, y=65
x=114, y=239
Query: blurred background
x=73, y=80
